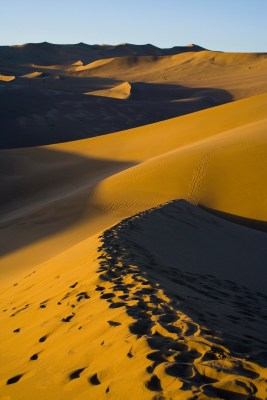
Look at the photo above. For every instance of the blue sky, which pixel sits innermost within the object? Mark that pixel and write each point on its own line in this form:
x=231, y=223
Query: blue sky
x=229, y=25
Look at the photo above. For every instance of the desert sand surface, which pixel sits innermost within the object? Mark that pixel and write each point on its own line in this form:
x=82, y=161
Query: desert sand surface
x=133, y=260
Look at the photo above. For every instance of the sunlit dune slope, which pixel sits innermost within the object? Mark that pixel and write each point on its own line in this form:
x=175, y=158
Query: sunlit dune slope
x=216, y=158
x=242, y=74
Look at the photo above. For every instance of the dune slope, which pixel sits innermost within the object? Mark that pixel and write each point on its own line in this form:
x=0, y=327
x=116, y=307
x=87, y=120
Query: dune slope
x=208, y=158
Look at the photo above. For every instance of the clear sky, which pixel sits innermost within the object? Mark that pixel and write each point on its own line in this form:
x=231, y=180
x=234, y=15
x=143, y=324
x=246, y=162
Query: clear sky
x=227, y=25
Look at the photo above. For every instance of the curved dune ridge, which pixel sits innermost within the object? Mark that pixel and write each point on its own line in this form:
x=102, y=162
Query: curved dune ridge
x=33, y=75
x=112, y=287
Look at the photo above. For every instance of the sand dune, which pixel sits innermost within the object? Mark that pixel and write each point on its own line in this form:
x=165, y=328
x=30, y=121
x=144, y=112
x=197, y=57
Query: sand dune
x=112, y=287
x=208, y=158
x=242, y=74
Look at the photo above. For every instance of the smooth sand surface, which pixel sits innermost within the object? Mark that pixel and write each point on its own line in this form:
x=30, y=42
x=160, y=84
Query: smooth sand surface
x=112, y=287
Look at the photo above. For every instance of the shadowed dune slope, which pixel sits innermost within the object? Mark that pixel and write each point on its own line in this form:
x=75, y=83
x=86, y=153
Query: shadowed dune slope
x=57, y=108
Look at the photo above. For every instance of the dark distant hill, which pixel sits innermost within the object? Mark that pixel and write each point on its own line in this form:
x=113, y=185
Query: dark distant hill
x=47, y=53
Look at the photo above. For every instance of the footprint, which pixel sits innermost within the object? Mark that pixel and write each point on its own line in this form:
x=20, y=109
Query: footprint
x=68, y=318
x=14, y=379
x=94, y=380
x=130, y=354
x=154, y=384
x=114, y=323
x=76, y=374
x=82, y=295
x=107, y=296
x=43, y=338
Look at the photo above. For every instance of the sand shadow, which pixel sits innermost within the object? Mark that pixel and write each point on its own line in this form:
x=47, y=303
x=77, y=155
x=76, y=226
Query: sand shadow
x=45, y=111
x=212, y=270
x=46, y=191
x=163, y=92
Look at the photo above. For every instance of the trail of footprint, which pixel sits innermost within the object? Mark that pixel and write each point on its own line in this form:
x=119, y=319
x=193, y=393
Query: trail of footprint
x=178, y=344
x=197, y=180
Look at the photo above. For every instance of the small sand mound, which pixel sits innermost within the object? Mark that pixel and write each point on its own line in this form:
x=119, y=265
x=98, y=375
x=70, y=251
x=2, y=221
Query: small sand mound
x=121, y=91
x=78, y=63
x=34, y=75
x=7, y=78
x=94, y=64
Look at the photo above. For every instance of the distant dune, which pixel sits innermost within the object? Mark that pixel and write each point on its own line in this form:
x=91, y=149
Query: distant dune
x=133, y=259
x=49, y=53
x=182, y=80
